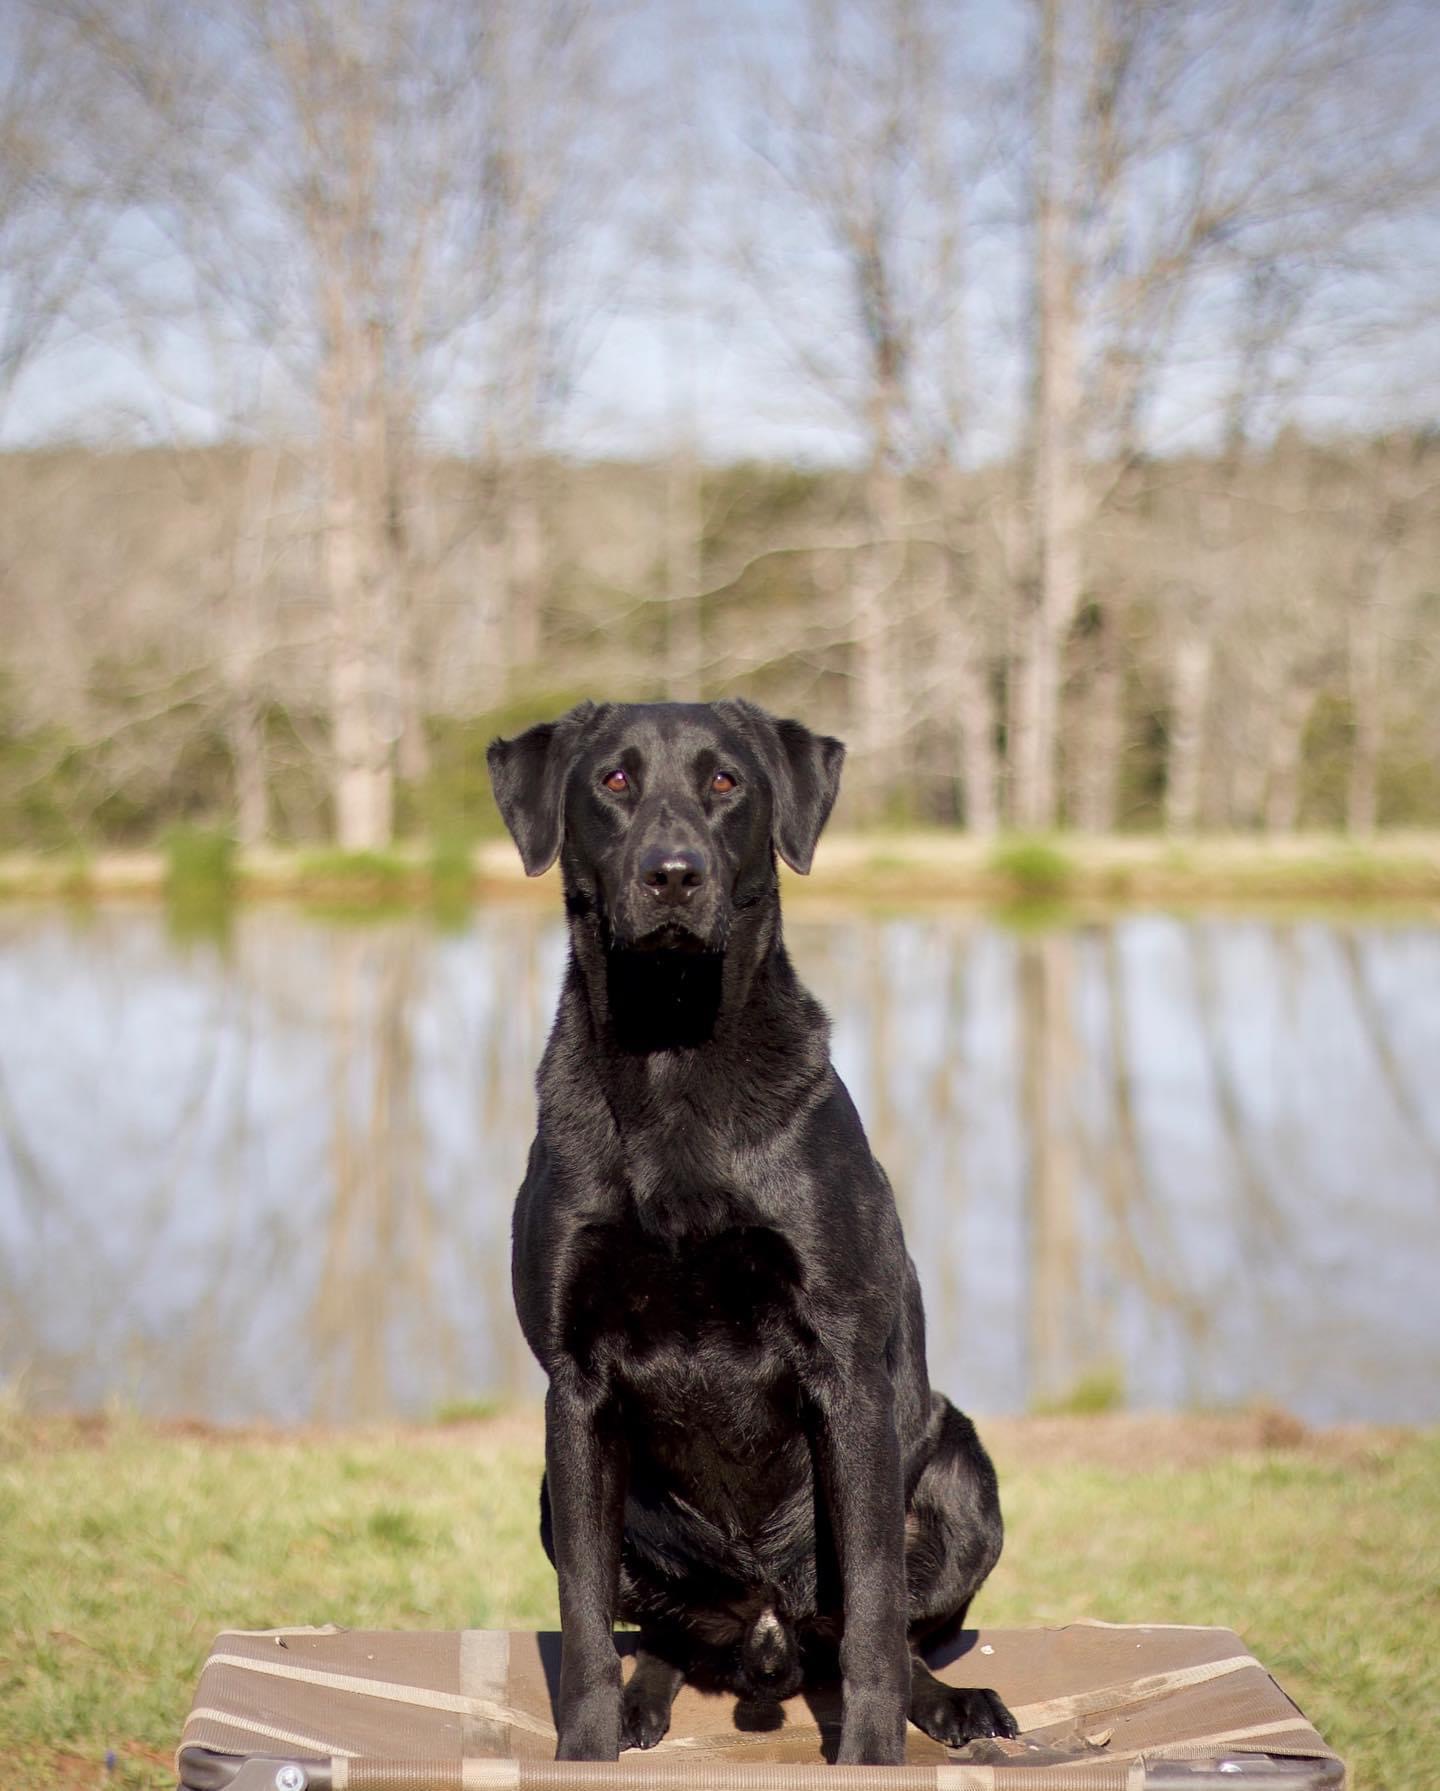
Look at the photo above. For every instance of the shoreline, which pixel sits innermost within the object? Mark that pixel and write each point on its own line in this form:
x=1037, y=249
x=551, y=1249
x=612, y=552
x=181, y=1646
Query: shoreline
x=913, y=867
x=1121, y=1438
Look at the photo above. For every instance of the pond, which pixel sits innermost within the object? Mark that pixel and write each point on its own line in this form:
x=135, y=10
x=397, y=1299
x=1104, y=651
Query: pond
x=1176, y=1162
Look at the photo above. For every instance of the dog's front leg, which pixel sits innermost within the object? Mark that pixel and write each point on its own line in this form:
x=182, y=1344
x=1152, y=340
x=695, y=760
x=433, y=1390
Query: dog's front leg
x=858, y=1456
x=585, y=1473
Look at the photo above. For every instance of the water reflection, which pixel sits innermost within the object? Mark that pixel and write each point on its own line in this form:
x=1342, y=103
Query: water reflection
x=273, y=1177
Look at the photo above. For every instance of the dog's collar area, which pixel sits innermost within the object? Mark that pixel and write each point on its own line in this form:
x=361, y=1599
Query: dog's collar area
x=663, y=1000
x=670, y=937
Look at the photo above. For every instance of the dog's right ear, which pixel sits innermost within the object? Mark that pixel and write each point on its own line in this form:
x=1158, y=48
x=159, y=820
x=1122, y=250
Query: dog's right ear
x=527, y=775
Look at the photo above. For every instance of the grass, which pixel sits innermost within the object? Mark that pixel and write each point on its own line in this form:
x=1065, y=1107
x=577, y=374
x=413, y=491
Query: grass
x=200, y=882
x=452, y=880
x=124, y=1554
x=1102, y=1389
x=1034, y=874
x=126, y=1547
x=1035, y=870
x=199, y=859
x=465, y=1411
x=361, y=877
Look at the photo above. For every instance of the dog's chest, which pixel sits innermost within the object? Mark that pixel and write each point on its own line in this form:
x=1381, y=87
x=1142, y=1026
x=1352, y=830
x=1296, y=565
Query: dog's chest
x=690, y=1322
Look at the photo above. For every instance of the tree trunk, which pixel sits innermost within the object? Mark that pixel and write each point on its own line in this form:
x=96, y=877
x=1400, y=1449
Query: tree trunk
x=1034, y=718
x=1097, y=768
x=1194, y=659
x=245, y=734
x=964, y=678
x=1057, y=491
x=405, y=671
x=979, y=770
x=363, y=781
x=244, y=648
x=1248, y=765
x=490, y=622
x=524, y=563
x=363, y=790
x=1366, y=670
x=684, y=645
x=412, y=749
x=1287, y=737
x=877, y=603
x=966, y=710
x=360, y=577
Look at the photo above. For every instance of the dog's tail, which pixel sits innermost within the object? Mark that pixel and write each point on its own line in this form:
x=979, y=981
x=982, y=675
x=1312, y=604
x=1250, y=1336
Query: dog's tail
x=769, y=1653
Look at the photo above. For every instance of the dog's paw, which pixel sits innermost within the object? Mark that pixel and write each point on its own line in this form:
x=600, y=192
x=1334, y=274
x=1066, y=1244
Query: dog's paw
x=954, y=1714
x=587, y=1744
x=590, y=1729
x=870, y=1749
x=644, y=1717
x=872, y=1734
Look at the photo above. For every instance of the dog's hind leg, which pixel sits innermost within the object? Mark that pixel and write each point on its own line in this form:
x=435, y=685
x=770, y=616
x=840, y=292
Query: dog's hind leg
x=953, y=1536
x=645, y=1703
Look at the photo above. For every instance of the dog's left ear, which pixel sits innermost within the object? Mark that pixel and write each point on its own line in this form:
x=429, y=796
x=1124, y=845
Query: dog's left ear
x=527, y=775
x=804, y=773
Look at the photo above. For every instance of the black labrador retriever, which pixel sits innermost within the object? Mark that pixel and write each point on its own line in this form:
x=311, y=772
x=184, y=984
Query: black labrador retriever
x=743, y=1454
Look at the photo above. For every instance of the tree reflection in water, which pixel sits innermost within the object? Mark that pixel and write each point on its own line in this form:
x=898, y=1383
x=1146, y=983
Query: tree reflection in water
x=1196, y=1161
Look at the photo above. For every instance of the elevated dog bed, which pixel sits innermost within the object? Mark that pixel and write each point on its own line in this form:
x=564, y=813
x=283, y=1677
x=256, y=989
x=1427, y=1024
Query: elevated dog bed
x=1101, y=1707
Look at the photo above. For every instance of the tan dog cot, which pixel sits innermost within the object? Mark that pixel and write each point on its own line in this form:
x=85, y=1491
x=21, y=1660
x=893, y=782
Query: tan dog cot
x=1101, y=1707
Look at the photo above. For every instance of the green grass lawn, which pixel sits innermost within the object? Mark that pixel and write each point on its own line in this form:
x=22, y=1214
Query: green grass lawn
x=124, y=1547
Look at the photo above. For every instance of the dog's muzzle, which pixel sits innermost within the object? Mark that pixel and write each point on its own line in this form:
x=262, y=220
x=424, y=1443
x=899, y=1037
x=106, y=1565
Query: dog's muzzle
x=669, y=900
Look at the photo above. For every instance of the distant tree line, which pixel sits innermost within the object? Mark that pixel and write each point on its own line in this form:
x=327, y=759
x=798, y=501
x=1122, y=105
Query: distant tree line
x=1069, y=286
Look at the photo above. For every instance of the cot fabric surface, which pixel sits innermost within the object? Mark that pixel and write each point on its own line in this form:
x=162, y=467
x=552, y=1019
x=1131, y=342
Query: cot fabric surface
x=364, y=1710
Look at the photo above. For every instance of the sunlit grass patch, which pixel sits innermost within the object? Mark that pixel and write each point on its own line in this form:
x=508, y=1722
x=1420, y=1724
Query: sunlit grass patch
x=395, y=1528
x=1327, y=1569
x=1035, y=869
x=452, y=879
x=126, y=1549
x=123, y=1561
x=199, y=858
x=201, y=879
x=77, y=879
x=465, y=1411
x=360, y=876
x=1100, y=1389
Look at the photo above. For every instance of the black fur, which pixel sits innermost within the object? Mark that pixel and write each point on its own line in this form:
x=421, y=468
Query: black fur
x=743, y=1452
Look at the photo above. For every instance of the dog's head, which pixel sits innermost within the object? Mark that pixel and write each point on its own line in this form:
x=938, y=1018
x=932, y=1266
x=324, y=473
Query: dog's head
x=666, y=816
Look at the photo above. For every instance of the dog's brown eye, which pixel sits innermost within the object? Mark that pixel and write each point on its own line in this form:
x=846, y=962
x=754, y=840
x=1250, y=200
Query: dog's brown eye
x=722, y=783
x=616, y=780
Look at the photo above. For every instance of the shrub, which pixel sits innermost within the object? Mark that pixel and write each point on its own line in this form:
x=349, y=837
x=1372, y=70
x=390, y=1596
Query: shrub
x=1036, y=869
x=1098, y=1390
x=199, y=859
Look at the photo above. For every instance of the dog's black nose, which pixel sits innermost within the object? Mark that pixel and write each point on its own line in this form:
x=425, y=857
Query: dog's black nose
x=670, y=875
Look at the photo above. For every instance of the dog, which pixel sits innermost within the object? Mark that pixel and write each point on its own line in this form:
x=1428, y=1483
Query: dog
x=743, y=1455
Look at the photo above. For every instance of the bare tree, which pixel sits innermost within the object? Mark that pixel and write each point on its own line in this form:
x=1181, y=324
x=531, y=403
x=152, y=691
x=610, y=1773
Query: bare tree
x=366, y=193
x=65, y=171
x=395, y=233
x=1175, y=150
x=871, y=161
x=683, y=508
x=1398, y=480
x=562, y=138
